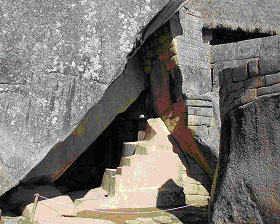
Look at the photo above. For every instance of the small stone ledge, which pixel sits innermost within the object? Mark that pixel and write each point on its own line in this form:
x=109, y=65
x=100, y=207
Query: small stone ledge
x=269, y=89
x=255, y=82
x=196, y=198
x=269, y=64
x=198, y=120
x=194, y=189
x=239, y=73
x=200, y=111
x=205, y=97
x=198, y=103
x=272, y=79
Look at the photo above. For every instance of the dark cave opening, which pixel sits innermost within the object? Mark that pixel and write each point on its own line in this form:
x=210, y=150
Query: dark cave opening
x=222, y=35
x=87, y=171
x=106, y=151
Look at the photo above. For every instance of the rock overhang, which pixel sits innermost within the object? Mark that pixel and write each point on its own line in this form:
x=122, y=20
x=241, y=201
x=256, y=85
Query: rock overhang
x=58, y=60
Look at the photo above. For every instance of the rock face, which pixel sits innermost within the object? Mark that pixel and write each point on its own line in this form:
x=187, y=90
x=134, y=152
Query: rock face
x=201, y=100
x=239, y=14
x=246, y=188
x=247, y=185
x=57, y=60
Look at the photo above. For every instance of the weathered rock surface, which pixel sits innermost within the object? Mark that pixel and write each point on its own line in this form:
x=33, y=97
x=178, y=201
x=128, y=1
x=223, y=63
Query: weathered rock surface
x=263, y=15
x=20, y=196
x=202, y=103
x=57, y=59
x=247, y=187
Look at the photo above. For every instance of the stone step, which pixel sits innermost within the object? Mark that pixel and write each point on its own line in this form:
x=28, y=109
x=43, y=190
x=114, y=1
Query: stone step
x=149, y=132
x=153, y=197
x=141, y=149
x=109, y=177
x=108, y=181
x=96, y=193
x=141, y=135
x=93, y=194
x=131, y=148
x=147, y=171
x=127, y=161
x=119, y=170
x=133, y=199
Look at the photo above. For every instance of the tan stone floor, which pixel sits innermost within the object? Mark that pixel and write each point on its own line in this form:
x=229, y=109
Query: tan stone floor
x=186, y=215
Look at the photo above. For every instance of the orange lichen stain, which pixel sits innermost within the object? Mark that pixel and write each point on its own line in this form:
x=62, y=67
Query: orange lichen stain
x=252, y=221
x=81, y=127
x=163, y=100
x=183, y=135
x=164, y=56
x=273, y=200
x=59, y=172
x=127, y=104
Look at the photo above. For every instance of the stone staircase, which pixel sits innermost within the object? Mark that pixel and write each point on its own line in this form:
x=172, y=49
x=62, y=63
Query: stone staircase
x=150, y=174
x=148, y=168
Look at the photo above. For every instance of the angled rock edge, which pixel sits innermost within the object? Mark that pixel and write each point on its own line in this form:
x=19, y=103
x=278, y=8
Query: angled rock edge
x=49, y=80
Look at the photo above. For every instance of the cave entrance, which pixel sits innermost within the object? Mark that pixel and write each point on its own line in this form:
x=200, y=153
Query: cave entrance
x=87, y=171
x=222, y=35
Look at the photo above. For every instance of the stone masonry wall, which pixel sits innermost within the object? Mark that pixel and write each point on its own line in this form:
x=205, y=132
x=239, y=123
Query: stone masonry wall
x=243, y=84
x=246, y=70
x=163, y=45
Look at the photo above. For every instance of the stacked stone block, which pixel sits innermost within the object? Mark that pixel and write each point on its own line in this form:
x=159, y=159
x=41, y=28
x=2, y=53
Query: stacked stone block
x=237, y=54
x=242, y=78
x=193, y=54
x=200, y=111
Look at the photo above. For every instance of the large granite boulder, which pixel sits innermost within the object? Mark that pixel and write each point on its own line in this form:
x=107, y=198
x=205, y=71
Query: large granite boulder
x=58, y=60
x=246, y=186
